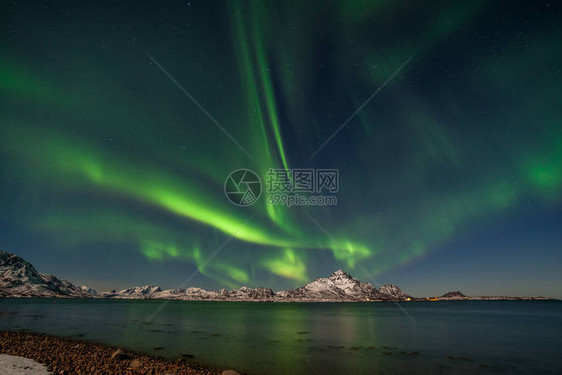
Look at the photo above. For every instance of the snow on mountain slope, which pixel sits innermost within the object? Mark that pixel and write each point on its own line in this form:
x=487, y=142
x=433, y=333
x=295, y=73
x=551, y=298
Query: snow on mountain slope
x=393, y=291
x=339, y=286
x=18, y=278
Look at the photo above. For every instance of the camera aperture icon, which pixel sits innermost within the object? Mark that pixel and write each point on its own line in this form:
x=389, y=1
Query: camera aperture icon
x=242, y=187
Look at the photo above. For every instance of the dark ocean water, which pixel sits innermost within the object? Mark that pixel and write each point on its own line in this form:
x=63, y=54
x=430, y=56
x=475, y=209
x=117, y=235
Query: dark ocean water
x=486, y=337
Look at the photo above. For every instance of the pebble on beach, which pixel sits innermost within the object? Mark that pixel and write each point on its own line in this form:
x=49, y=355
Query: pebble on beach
x=67, y=356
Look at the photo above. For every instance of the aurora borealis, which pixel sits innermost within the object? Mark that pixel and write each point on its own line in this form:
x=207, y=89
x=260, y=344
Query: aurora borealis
x=450, y=177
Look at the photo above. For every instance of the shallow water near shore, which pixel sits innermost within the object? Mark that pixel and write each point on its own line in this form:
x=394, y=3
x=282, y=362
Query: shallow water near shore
x=487, y=337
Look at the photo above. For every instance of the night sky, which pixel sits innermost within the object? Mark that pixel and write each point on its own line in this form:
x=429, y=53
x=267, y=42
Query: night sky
x=450, y=178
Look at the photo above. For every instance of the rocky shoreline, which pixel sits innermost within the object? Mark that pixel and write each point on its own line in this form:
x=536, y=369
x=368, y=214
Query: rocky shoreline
x=64, y=356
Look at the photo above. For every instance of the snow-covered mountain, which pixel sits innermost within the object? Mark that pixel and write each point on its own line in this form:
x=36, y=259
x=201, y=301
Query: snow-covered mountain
x=18, y=278
x=193, y=294
x=392, y=291
x=339, y=287
x=91, y=291
x=138, y=292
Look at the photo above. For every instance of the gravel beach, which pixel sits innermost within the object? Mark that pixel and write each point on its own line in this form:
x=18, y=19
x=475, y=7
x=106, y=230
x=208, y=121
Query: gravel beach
x=67, y=356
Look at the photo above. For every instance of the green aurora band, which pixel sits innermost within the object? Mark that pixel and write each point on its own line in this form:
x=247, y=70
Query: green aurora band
x=71, y=156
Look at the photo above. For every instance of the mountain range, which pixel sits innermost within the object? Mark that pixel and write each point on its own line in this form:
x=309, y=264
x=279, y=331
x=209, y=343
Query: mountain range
x=338, y=287
x=18, y=279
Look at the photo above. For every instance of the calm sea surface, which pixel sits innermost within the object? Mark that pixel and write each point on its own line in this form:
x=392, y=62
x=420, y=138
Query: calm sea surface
x=487, y=337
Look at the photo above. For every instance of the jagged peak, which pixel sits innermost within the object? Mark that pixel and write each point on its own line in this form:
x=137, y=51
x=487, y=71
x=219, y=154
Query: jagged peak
x=385, y=288
x=195, y=289
x=392, y=291
x=340, y=274
x=390, y=286
x=87, y=289
x=142, y=289
x=155, y=288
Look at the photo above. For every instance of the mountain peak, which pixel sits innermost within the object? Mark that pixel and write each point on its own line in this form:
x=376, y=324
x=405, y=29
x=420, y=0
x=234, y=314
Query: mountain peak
x=393, y=291
x=18, y=278
x=339, y=274
x=455, y=294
